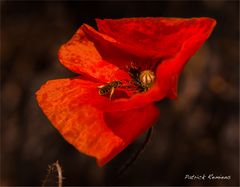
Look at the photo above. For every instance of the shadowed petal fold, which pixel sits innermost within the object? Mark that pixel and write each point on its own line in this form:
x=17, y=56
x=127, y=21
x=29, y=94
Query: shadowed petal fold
x=170, y=69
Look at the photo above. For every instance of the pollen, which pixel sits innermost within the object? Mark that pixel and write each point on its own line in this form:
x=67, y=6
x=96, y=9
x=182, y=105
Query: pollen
x=147, y=78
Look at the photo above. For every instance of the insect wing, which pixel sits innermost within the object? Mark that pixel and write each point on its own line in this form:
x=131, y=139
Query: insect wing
x=101, y=86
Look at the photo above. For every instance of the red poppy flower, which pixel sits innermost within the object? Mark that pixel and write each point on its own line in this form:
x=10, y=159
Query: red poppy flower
x=96, y=125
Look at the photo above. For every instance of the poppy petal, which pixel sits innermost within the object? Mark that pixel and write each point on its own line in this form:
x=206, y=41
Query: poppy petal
x=80, y=56
x=160, y=36
x=170, y=69
x=130, y=124
x=110, y=49
x=66, y=102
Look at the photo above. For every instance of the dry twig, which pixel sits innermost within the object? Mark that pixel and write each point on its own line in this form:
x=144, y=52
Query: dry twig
x=54, y=171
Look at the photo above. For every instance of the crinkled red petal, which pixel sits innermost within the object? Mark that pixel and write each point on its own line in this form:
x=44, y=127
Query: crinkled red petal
x=67, y=104
x=153, y=36
x=80, y=56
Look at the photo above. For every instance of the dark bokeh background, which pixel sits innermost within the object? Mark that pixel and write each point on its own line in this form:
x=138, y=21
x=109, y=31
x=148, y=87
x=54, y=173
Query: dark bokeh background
x=196, y=134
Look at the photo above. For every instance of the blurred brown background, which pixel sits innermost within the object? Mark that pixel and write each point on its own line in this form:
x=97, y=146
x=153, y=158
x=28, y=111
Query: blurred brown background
x=196, y=134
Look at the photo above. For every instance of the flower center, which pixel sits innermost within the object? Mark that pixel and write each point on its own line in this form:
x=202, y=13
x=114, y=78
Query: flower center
x=140, y=81
x=147, y=79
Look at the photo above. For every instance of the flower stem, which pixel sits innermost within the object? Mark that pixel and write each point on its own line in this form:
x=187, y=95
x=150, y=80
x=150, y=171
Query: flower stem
x=136, y=154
